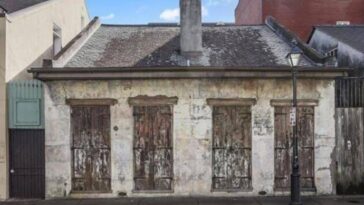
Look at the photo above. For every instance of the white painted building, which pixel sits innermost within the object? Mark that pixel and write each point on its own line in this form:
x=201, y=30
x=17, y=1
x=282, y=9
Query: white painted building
x=31, y=31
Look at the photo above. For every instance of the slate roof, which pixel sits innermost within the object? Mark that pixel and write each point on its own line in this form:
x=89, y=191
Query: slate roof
x=15, y=5
x=158, y=46
x=351, y=35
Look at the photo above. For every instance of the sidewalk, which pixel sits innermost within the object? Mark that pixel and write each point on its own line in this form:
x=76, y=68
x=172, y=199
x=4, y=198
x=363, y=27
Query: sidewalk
x=195, y=201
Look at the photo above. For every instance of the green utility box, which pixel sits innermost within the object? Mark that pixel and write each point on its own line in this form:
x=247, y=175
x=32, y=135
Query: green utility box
x=26, y=105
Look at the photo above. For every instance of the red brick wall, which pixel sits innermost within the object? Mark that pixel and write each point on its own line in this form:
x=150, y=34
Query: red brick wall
x=249, y=12
x=300, y=15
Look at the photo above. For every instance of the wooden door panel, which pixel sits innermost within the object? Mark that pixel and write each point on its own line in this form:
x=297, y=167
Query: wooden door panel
x=163, y=166
x=219, y=166
x=153, y=153
x=306, y=146
x=350, y=150
x=282, y=169
x=238, y=169
x=142, y=184
x=79, y=163
x=231, y=148
x=163, y=184
x=283, y=147
x=239, y=162
x=91, y=148
x=283, y=134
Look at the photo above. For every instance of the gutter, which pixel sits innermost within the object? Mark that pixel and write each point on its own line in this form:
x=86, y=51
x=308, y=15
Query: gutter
x=142, y=73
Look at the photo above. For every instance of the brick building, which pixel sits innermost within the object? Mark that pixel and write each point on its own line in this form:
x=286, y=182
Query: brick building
x=299, y=16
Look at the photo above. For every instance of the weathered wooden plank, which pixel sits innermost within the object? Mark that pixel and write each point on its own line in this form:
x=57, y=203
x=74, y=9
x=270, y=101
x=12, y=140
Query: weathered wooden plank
x=283, y=135
x=153, y=152
x=306, y=146
x=350, y=150
x=231, y=148
x=91, y=148
x=283, y=146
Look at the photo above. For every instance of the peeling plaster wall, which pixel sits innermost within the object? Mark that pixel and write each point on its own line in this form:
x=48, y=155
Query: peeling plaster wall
x=192, y=131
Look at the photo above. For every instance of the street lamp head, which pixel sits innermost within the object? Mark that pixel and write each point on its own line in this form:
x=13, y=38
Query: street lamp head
x=294, y=57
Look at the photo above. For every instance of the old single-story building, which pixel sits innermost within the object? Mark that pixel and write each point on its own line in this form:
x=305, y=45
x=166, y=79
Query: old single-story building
x=195, y=109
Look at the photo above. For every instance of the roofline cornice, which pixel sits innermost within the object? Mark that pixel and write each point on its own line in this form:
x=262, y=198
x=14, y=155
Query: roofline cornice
x=143, y=73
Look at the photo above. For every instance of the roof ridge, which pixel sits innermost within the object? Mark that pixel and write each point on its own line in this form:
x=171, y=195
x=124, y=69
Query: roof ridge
x=289, y=36
x=173, y=25
x=340, y=26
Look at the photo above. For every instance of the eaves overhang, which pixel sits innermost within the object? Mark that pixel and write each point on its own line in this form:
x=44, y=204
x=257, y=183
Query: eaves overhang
x=142, y=73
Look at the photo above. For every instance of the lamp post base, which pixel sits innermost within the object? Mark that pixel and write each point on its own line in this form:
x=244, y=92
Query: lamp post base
x=295, y=187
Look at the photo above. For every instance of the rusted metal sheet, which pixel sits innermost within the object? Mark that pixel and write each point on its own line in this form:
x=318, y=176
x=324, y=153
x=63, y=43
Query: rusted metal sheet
x=283, y=147
x=153, y=151
x=350, y=150
x=232, y=148
x=91, y=148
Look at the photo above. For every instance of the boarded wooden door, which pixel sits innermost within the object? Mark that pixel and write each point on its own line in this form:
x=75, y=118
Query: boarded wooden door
x=231, y=148
x=283, y=147
x=350, y=150
x=27, y=163
x=153, y=152
x=91, y=148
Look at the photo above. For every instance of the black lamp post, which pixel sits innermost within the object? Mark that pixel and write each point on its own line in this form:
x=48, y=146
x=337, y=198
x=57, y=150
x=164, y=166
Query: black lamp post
x=294, y=58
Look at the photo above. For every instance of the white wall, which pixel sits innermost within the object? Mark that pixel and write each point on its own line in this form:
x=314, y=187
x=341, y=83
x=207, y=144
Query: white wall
x=3, y=137
x=26, y=37
x=192, y=130
x=30, y=33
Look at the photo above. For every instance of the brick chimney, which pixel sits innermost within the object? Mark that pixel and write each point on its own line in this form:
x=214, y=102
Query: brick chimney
x=191, y=28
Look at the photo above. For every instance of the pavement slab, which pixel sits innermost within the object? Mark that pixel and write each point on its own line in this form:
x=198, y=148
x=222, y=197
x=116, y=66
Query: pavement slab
x=169, y=200
x=228, y=200
x=332, y=200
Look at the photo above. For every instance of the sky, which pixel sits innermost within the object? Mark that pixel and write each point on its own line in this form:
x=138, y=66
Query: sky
x=151, y=11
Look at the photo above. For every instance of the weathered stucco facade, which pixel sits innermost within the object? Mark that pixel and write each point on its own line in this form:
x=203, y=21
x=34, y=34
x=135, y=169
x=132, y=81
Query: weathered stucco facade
x=192, y=131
